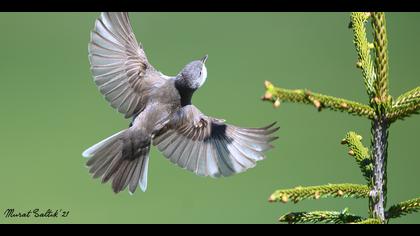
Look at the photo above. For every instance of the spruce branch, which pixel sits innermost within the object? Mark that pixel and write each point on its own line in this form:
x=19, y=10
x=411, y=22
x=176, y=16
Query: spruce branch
x=369, y=221
x=381, y=56
x=315, y=192
x=381, y=111
x=334, y=217
x=410, y=97
x=360, y=154
x=403, y=111
x=407, y=104
x=320, y=101
x=363, y=47
x=379, y=128
x=403, y=208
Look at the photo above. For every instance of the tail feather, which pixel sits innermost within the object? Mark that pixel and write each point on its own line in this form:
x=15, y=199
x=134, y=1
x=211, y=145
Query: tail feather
x=108, y=160
x=99, y=146
x=99, y=168
x=143, y=172
x=139, y=176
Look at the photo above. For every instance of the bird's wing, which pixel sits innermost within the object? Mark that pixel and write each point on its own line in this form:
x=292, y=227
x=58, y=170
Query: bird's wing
x=209, y=147
x=119, y=64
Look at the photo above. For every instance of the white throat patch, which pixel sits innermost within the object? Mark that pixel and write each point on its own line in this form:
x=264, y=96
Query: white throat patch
x=203, y=75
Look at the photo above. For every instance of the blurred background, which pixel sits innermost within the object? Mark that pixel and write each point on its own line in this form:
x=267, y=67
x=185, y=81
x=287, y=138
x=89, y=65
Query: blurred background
x=51, y=111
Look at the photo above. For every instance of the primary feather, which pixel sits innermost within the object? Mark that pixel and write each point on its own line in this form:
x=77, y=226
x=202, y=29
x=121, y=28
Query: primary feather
x=119, y=65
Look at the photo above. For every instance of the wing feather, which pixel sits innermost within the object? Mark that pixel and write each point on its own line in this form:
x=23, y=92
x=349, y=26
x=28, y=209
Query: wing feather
x=209, y=147
x=119, y=64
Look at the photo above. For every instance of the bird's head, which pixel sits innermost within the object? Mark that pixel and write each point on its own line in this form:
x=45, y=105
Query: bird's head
x=194, y=74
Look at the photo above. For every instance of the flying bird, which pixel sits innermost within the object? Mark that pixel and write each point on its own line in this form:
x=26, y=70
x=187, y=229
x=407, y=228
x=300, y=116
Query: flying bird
x=161, y=114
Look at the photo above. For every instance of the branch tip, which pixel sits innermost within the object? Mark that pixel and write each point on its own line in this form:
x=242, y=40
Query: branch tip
x=268, y=84
x=277, y=103
x=359, y=152
x=268, y=95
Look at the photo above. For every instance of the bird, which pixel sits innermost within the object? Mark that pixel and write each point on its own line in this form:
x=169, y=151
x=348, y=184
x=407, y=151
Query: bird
x=162, y=115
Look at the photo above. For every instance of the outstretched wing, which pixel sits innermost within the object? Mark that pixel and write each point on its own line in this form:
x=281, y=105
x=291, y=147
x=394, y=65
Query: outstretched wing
x=209, y=147
x=119, y=64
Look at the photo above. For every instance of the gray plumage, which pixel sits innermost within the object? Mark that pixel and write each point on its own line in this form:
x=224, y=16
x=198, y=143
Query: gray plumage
x=162, y=114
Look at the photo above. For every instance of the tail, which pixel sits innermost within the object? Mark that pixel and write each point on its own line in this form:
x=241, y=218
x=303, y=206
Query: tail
x=122, y=159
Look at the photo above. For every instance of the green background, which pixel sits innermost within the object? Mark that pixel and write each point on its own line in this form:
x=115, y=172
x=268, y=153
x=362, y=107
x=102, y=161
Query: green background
x=51, y=111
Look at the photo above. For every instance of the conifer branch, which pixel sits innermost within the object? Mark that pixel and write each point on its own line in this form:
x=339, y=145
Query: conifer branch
x=315, y=192
x=381, y=111
x=381, y=56
x=403, y=208
x=407, y=104
x=360, y=154
x=381, y=103
x=412, y=96
x=334, y=217
x=369, y=221
x=320, y=101
x=363, y=47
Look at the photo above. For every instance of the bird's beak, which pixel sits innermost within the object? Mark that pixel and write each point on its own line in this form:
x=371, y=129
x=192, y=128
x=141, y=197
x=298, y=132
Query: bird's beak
x=204, y=59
